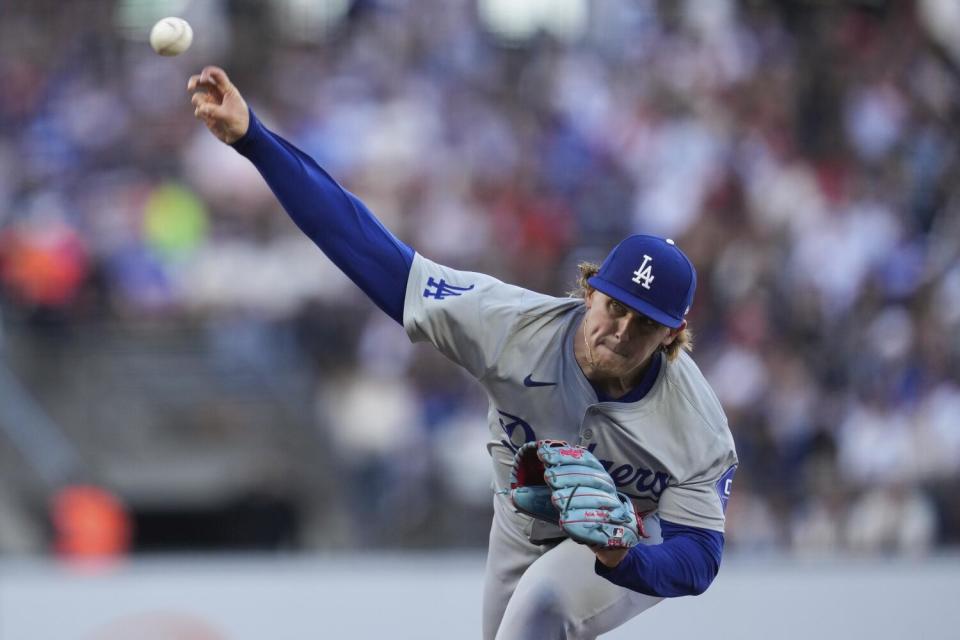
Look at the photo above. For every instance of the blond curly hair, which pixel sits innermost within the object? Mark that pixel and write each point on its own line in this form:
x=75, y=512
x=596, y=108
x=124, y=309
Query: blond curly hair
x=683, y=341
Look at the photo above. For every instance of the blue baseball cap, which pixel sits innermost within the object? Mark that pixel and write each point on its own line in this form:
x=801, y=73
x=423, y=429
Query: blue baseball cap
x=651, y=276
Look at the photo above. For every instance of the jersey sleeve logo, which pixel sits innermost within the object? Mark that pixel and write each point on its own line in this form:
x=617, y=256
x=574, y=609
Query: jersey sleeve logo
x=441, y=290
x=725, y=486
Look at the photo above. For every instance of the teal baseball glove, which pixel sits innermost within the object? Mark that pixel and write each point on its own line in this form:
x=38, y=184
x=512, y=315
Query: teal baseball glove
x=566, y=485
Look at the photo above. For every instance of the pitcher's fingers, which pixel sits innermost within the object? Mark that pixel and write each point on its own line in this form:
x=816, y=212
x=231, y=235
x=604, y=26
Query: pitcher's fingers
x=216, y=76
x=206, y=110
x=201, y=97
x=200, y=83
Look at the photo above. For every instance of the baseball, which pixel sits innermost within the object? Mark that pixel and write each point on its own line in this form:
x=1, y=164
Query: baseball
x=171, y=36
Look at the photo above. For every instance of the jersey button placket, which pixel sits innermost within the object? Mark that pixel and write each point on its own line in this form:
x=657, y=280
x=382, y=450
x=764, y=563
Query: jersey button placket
x=586, y=433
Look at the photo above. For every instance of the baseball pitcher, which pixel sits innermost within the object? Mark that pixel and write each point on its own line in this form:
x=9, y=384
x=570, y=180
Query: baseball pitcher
x=612, y=458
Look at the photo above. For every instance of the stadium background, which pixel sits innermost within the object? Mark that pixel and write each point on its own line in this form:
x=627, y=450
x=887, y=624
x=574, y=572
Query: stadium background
x=177, y=359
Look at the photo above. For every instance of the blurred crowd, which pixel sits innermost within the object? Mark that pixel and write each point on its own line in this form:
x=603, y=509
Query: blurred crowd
x=803, y=154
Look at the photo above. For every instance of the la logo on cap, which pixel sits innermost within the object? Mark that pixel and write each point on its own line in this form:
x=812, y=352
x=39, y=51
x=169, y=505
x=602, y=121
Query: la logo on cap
x=643, y=276
x=622, y=279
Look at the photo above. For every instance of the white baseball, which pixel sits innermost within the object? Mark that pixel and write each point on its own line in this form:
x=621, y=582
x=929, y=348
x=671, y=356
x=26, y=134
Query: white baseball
x=171, y=36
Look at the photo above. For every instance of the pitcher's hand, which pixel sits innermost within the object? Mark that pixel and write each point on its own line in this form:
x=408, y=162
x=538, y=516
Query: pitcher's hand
x=219, y=104
x=611, y=557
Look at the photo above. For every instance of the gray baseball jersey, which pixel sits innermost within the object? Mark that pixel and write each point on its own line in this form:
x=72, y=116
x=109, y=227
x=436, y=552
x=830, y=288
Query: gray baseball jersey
x=671, y=451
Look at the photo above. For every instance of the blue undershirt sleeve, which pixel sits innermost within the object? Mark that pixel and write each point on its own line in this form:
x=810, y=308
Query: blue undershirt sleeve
x=336, y=220
x=683, y=565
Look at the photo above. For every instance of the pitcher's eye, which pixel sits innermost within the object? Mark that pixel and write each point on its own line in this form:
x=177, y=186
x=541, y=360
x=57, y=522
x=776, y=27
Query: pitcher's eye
x=649, y=323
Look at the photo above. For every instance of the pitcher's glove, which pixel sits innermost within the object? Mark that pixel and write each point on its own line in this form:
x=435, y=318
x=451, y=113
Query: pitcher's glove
x=566, y=485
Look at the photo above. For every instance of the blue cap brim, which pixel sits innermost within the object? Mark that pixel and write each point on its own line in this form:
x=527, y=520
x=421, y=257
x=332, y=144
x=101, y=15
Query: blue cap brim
x=637, y=304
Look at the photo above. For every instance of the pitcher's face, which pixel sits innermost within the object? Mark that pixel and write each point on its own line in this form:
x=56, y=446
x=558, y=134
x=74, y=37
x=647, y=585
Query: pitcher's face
x=619, y=339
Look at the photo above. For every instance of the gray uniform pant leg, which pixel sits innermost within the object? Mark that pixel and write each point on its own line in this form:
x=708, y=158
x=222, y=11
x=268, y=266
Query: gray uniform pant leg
x=541, y=593
x=509, y=553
